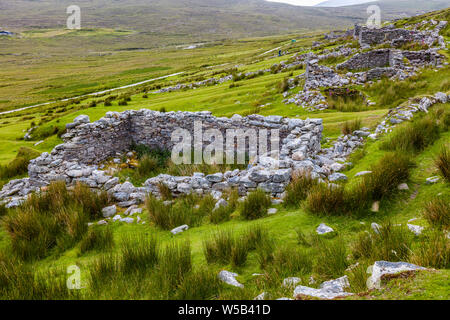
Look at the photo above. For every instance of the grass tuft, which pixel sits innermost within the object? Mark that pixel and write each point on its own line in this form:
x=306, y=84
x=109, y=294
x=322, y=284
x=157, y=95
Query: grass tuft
x=442, y=162
x=256, y=205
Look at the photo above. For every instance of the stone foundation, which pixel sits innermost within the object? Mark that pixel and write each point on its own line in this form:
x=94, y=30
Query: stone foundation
x=87, y=144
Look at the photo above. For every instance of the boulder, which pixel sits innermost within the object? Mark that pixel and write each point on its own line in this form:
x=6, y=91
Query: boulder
x=328, y=290
x=109, y=211
x=324, y=229
x=337, y=177
x=382, y=268
x=180, y=229
x=230, y=278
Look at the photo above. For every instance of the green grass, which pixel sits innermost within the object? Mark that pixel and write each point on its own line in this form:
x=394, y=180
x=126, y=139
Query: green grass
x=277, y=246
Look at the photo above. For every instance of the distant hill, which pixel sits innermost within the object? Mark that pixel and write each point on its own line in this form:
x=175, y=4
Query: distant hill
x=199, y=20
x=341, y=3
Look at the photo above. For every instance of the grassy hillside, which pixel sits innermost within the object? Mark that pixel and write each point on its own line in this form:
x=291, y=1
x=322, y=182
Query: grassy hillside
x=145, y=261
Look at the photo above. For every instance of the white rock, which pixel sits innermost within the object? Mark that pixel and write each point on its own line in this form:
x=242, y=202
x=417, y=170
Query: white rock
x=381, y=268
x=432, y=180
x=362, y=173
x=116, y=218
x=324, y=229
x=180, y=229
x=230, y=278
x=417, y=230
x=375, y=227
x=328, y=290
x=127, y=220
x=403, y=187
x=272, y=211
x=262, y=296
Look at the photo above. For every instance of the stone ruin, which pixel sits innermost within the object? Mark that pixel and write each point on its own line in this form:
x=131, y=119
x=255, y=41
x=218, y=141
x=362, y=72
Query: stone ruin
x=396, y=37
x=86, y=145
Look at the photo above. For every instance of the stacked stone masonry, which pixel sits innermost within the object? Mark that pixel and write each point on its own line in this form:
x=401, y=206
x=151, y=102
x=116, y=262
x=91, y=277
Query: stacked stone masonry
x=87, y=144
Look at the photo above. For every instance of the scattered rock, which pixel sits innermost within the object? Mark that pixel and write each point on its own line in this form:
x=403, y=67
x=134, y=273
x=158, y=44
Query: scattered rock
x=230, y=278
x=362, y=173
x=382, y=268
x=337, y=176
x=375, y=227
x=262, y=296
x=417, y=230
x=375, y=206
x=328, y=290
x=180, y=229
x=324, y=229
x=403, y=187
x=433, y=180
x=272, y=211
x=109, y=211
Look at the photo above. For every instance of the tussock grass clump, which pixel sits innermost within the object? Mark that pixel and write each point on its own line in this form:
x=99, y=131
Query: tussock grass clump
x=175, y=263
x=392, y=93
x=3, y=210
x=218, y=248
x=147, y=165
x=18, y=282
x=164, y=190
x=182, y=211
x=442, y=162
x=56, y=218
x=92, y=202
x=387, y=174
x=351, y=103
x=97, y=239
x=445, y=85
x=224, y=247
x=255, y=236
x=414, y=136
x=326, y=199
x=298, y=189
x=288, y=261
x=239, y=252
x=391, y=243
x=433, y=251
x=221, y=214
x=256, y=205
x=331, y=257
x=139, y=253
x=437, y=213
x=201, y=284
x=351, y=126
x=19, y=165
x=103, y=271
x=357, y=278
x=381, y=184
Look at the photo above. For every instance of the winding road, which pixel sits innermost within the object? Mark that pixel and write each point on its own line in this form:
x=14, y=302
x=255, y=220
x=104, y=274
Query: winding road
x=93, y=94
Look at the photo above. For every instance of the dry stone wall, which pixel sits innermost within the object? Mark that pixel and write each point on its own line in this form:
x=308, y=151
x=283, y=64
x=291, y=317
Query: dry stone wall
x=87, y=144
